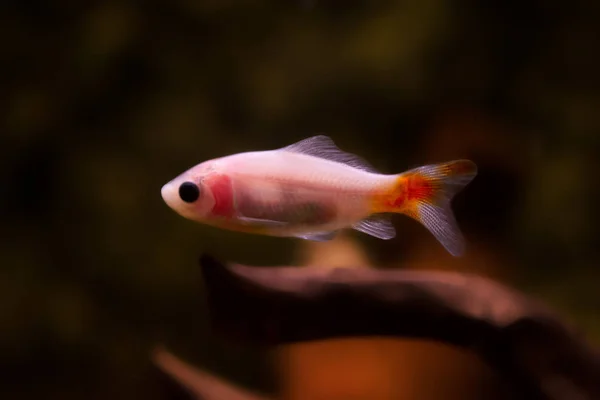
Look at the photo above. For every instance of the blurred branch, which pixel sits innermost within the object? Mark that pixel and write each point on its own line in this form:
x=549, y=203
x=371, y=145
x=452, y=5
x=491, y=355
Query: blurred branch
x=535, y=352
x=201, y=385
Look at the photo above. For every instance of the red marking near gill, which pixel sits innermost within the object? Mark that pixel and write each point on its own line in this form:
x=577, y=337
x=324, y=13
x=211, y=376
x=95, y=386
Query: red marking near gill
x=222, y=191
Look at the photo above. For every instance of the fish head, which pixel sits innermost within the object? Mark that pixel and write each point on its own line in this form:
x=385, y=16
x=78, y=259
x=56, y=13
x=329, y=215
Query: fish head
x=189, y=195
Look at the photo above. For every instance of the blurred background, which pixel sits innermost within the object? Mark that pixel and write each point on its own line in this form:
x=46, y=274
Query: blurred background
x=105, y=101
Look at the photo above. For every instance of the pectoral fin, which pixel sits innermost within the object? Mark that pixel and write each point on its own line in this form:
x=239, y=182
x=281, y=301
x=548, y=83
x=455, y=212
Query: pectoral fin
x=318, y=237
x=262, y=222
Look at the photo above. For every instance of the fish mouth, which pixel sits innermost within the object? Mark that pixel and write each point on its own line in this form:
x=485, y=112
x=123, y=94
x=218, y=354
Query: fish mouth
x=167, y=193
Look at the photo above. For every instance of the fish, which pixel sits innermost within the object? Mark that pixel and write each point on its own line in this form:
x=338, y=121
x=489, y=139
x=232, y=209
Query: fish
x=312, y=190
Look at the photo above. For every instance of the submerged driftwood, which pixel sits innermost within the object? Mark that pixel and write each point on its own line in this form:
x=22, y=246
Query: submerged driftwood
x=537, y=355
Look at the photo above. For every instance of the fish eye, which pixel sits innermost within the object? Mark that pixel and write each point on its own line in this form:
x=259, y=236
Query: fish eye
x=189, y=192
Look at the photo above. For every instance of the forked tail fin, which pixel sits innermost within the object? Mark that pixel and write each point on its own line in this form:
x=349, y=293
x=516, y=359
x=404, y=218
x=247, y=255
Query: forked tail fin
x=425, y=193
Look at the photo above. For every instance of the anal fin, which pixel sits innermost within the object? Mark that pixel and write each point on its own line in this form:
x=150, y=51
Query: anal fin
x=377, y=226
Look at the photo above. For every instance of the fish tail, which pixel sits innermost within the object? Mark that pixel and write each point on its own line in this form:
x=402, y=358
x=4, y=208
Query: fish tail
x=425, y=193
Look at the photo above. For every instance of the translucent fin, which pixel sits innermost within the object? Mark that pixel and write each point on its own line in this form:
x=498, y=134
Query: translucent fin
x=377, y=226
x=323, y=147
x=425, y=194
x=453, y=175
x=440, y=221
x=318, y=237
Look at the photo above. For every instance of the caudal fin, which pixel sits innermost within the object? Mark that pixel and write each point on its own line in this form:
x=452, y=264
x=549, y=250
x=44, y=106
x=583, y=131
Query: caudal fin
x=425, y=194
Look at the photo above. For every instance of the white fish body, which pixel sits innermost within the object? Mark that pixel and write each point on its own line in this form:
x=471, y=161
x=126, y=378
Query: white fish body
x=347, y=188
x=312, y=189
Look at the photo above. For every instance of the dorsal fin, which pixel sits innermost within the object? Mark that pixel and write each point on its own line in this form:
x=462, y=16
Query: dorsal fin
x=323, y=147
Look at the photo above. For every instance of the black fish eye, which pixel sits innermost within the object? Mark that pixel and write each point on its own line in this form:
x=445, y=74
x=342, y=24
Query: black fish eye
x=189, y=192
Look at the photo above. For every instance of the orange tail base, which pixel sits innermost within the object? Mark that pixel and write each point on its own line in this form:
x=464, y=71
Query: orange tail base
x=425, y=193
